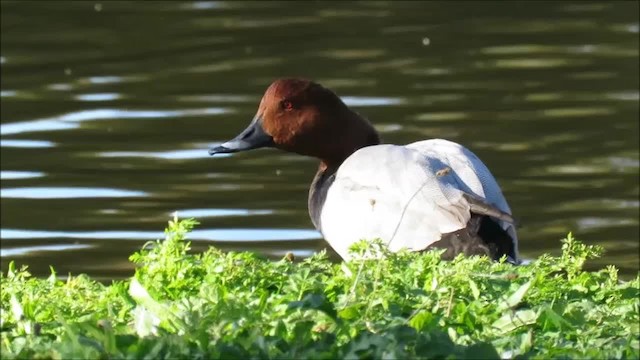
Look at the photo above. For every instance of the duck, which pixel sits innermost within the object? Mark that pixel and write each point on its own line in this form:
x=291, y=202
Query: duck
x=430, y=194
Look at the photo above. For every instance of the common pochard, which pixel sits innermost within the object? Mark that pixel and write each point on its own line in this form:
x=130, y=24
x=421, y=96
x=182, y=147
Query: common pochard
x=428, y=194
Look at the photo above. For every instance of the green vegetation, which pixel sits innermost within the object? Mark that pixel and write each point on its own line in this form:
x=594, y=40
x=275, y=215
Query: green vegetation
x=406, y=305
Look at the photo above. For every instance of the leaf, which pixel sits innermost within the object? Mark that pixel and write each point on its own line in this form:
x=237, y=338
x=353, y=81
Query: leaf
x=157, y=309
x=511, y=321
x=52, y=278
x=348, y=313
x=515, y=298
x=453, y=335
x=420, y=320
x=348, y=273
x=316, y=302
x=526, y=342
x=16, y=308
x=481, y=351
x=554, y=318
x=212, y=304
x=70, y=333
x=145, y=322
x=474, y=289
x=11, y=272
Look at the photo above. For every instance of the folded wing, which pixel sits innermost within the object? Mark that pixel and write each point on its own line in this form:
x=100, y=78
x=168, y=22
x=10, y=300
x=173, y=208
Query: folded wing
x=409, y=196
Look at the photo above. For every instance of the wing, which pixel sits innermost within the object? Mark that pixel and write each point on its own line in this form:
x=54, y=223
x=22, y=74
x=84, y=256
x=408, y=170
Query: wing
x=406, y=197
x=474, y=173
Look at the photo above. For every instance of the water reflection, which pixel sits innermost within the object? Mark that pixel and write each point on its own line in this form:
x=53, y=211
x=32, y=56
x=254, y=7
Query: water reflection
x=592, y=223
x=110, y=79
x=220, y=98
x=528, y=63
x=98, y=97
x=13, y=175
x=22, y=251
x=370, y=101
x=60, y=87
x=203, y=5
x=203, y=213
x=105, y=129
x=71, y=120
x=67, y=193
x=197, y=153
x=26, y=143
x=233, y=235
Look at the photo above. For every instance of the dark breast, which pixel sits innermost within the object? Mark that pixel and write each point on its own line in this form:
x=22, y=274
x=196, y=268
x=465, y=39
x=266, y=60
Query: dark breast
x=318, y=194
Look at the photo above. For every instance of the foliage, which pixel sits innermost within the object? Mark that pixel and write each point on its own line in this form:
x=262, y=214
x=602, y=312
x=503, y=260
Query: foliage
x=385, y=305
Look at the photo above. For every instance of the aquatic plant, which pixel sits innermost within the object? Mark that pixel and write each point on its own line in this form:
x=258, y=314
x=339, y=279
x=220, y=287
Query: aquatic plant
x=214, y=304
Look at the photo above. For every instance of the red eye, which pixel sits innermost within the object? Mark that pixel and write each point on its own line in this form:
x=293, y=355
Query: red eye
x=287, y=105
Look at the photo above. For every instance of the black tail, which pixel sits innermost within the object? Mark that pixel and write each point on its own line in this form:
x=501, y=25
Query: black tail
x=482, y=236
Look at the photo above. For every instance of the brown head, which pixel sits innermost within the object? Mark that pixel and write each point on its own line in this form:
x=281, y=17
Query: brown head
x=304, y=117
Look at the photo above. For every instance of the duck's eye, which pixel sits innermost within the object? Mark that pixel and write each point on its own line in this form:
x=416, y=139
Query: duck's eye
x=287, y=105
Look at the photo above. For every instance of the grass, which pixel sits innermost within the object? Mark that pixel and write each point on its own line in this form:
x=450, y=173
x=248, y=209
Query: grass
x=406, y=305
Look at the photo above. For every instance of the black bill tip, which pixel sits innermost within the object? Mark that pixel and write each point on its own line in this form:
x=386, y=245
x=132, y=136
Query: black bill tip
x=219, y=150
x=253, y=137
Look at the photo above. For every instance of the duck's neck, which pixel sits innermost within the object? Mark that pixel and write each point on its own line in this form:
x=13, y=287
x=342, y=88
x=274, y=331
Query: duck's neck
x=318, y=193
x=355, y=133
x=360, y=134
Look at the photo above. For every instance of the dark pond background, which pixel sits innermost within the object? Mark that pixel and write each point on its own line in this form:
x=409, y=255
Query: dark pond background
x=108, y=109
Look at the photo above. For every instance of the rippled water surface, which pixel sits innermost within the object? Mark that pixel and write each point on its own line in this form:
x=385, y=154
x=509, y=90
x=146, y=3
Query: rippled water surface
x=108, y=110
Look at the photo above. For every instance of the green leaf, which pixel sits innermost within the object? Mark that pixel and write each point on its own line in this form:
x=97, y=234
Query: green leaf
x=405, y=305
x=348, y=313
x=52, y=278
x=155, y=308
x=481, y=351
x=11, y=271
x=526, y=342
x=317, y=302
x=515, y=298
x=420, y=320
x=16, y=308
x=511, y=321
x=554, y=318
x=474, y=289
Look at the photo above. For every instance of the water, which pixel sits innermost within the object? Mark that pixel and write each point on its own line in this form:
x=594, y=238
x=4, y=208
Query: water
x=108, y=110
